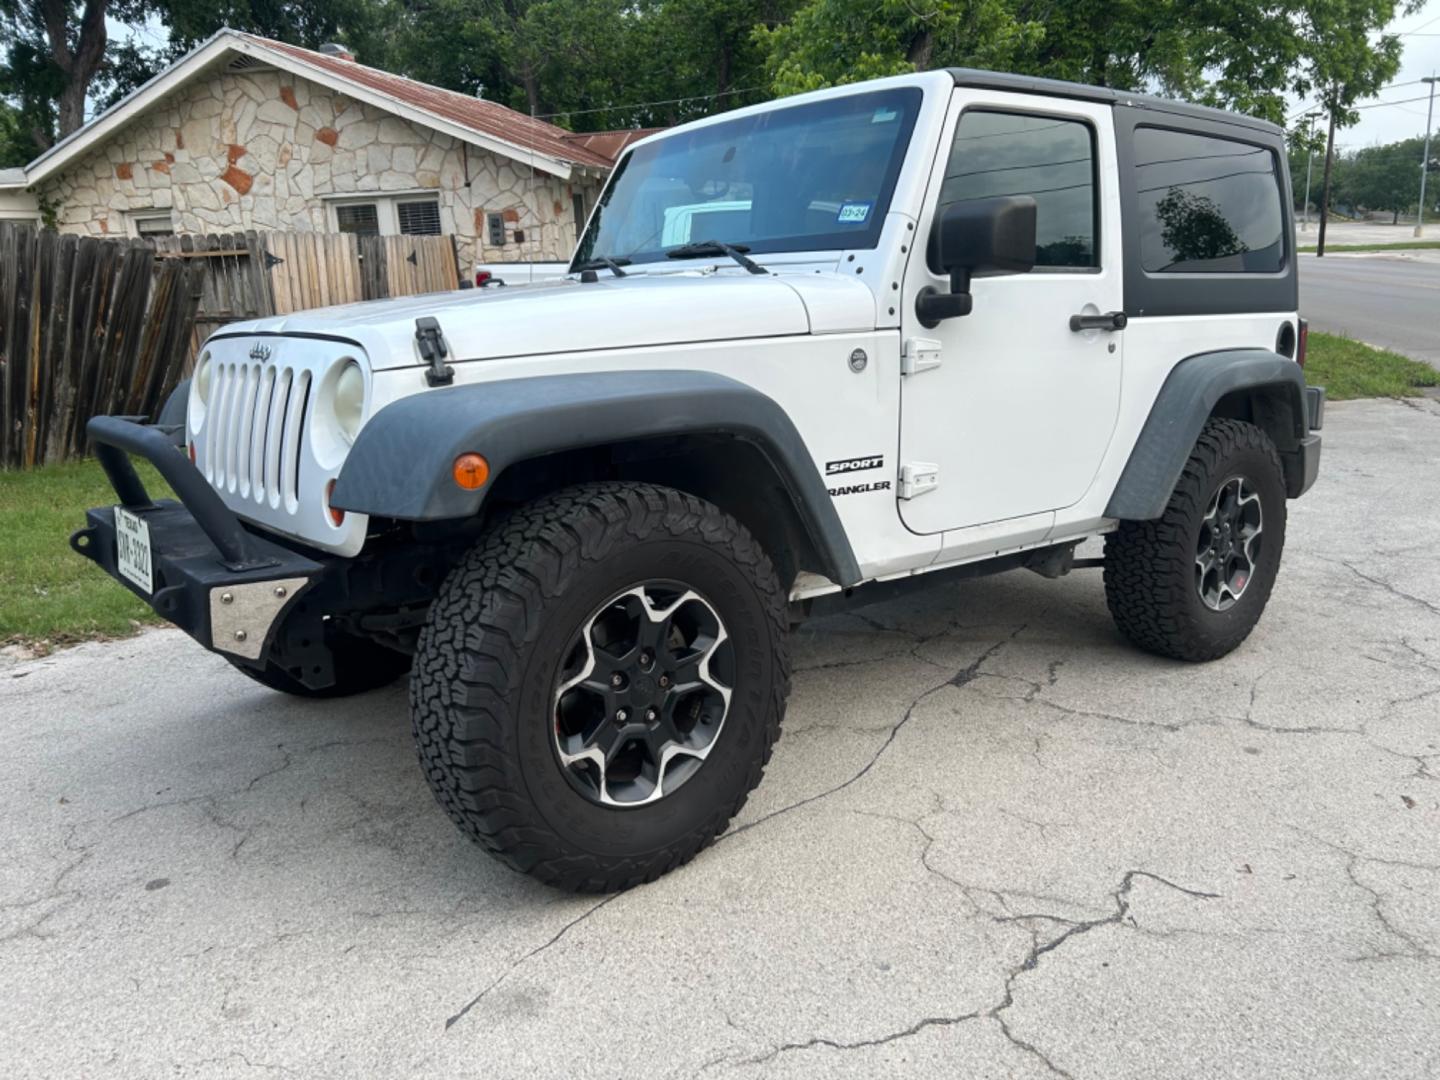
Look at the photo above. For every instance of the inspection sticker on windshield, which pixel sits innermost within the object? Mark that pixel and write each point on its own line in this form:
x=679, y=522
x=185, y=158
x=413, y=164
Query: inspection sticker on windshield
x=853, y=212
x=884, y=116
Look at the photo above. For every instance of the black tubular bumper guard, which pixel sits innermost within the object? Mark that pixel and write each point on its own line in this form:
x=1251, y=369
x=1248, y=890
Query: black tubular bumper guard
x=198, y=545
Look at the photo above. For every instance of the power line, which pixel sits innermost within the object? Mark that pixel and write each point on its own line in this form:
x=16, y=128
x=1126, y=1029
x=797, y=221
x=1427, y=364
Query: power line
x=647, y=104
x=1422, y=26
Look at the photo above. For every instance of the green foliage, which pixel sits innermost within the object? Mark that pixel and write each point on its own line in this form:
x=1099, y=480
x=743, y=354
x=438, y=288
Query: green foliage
x=832, y=42
x=48, y=594
x=1382, y=177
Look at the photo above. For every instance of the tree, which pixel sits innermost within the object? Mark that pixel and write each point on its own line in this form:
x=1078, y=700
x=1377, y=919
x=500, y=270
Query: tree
x=56, y=51
x=1234, y=54
x=831, y=42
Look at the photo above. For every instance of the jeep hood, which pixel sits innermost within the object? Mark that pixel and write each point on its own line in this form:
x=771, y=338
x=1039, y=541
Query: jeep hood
x=562, y=316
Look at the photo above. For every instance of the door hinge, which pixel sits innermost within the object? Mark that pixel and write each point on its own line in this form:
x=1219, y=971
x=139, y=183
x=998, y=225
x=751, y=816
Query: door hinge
x=918, y=477
x=921, y=354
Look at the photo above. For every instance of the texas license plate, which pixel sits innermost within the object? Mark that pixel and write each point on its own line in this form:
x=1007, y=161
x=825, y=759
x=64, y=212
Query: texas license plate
x=132, y=549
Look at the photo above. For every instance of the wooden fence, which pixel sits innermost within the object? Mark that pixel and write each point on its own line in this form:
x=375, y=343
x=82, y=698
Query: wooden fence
x=90, y=326
x=86, y=327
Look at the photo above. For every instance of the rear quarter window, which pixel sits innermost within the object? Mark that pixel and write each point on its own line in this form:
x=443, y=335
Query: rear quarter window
x=1207, y=204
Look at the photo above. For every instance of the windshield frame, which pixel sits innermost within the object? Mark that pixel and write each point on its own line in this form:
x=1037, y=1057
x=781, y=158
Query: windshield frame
x=910, y=96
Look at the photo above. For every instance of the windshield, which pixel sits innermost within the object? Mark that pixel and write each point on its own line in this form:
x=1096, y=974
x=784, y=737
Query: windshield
x=800, y=178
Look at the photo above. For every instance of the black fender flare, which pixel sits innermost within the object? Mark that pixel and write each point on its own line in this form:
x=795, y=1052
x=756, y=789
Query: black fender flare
x=401, y=463
x=1186, y=400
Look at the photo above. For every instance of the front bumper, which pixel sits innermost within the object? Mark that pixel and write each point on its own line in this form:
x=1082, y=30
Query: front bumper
x=223, y=585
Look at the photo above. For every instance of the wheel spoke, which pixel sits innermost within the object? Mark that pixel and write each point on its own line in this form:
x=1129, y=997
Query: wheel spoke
x=1227, y=543
x=643, y=711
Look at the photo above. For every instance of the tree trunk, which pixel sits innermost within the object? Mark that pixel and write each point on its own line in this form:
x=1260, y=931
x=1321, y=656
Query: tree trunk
x=722, y=72
x=920, y=49
x=1325, y=186
x=532, y=91
x=80, y=64
x=71, y=111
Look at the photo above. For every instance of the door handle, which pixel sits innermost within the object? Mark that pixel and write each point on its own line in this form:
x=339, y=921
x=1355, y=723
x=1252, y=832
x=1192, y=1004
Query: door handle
x=1111, y=320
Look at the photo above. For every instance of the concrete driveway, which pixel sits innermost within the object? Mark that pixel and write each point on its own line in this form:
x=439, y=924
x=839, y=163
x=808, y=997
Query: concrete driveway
x=993, y=842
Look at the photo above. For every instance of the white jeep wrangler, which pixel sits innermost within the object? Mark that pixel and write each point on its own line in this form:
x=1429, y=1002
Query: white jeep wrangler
x=808, y=353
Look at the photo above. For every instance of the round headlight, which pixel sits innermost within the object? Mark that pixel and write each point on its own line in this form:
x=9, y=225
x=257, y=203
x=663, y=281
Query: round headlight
x=202, y=378
x=349, y=399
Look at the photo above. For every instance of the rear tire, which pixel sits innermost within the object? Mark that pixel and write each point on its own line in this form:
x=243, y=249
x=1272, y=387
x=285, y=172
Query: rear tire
x=360, y=666
x=1183, y=586
x=555, y=594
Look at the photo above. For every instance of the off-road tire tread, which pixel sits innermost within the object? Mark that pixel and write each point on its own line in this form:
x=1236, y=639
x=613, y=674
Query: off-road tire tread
x=471, y=655
x=1149, y=566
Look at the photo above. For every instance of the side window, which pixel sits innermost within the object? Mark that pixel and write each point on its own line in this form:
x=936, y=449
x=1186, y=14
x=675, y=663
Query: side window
x=998, y=153
x=1207, y=205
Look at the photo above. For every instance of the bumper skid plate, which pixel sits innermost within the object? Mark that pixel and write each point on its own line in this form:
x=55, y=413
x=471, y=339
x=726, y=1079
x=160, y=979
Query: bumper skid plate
x=223, y=585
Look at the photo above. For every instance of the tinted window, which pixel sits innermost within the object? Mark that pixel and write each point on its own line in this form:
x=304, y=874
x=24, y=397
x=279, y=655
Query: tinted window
x=1207, y=205
x=808, y=177
x=1054, y=160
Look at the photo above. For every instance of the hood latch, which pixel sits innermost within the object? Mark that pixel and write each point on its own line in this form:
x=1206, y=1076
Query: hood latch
x=433, y=350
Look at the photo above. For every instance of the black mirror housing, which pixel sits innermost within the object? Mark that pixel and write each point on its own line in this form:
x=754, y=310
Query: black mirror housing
x=978, y=236
x=987, y=236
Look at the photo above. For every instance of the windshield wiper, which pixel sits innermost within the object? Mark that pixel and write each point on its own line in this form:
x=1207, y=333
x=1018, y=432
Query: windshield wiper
x=604, y=263
x=698, y=248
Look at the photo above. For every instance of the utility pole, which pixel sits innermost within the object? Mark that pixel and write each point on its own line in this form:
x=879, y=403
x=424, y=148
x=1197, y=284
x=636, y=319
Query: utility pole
x=1325, y=184
x=1309, y=165
x=1425, y=157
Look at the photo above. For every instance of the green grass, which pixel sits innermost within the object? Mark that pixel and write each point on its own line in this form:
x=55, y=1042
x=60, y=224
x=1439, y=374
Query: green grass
x=1399, y=245
x=48, y=594
x=1352, y=369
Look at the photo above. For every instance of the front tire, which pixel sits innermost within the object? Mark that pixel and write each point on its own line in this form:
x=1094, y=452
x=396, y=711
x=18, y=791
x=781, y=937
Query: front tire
x=599, y=683
x=1193, y=584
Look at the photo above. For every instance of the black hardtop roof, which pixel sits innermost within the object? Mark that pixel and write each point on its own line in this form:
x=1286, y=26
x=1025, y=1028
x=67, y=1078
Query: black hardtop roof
x=1031, y=84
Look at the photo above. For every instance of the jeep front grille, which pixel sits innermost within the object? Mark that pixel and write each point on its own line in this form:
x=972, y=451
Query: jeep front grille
x=253, y=441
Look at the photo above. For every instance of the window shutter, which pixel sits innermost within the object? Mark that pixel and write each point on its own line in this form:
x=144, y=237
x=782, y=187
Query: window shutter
x=419, y=218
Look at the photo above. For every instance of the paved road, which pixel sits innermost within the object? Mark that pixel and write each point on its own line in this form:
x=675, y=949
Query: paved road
x=993, y=842
x=1386, y=300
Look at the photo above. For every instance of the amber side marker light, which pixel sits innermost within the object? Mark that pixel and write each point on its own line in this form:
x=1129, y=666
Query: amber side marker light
x=336, y=515
x=471, y=471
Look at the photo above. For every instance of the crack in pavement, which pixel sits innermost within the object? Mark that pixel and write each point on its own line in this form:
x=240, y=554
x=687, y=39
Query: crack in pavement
x=881, y=1040
x=1121, y=898
x=1381, y=583
x=1074, y=928
x=961, y=678
x=474, y=1001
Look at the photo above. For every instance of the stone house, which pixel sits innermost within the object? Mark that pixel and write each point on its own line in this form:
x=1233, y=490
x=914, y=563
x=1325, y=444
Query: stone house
x=249, y=133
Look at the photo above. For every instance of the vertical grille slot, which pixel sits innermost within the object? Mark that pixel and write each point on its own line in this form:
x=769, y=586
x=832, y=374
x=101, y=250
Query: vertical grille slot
x=244, y=429
x=259, y=440
x=290, y=442
x=279, y=406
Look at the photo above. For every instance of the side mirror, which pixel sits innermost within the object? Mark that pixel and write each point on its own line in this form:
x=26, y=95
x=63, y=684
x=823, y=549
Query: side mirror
x=978, y=236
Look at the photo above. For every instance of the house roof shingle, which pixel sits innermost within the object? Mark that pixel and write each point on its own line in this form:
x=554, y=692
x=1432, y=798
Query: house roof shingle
x=595, y=149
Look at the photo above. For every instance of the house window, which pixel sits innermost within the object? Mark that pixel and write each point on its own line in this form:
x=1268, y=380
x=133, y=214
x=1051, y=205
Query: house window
x=362, y=219
x=495, y=226
x=387, y=215
x=145, y=225
x=418, y=218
